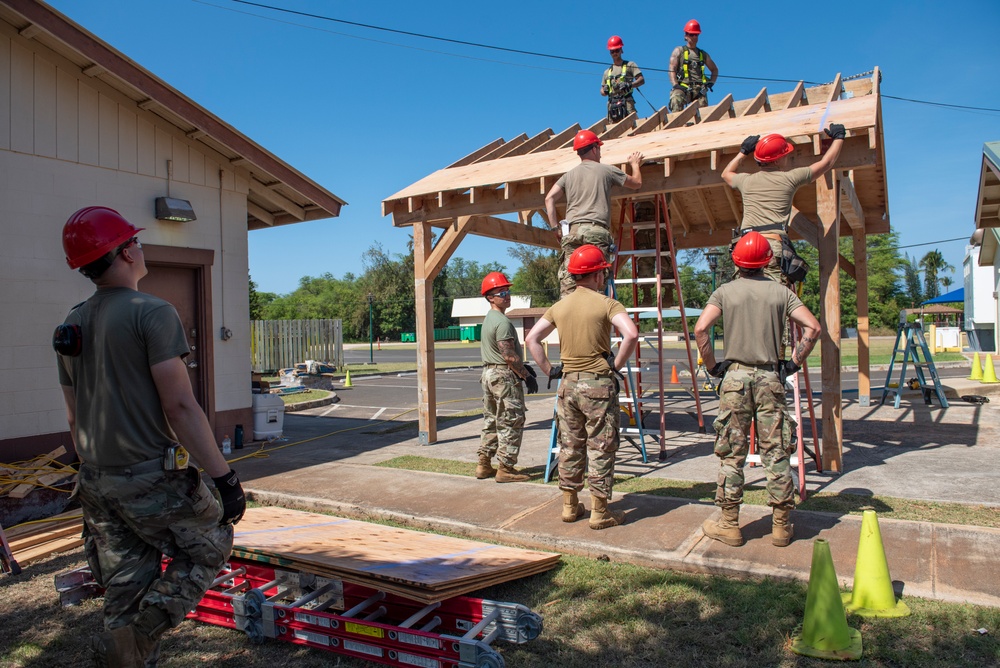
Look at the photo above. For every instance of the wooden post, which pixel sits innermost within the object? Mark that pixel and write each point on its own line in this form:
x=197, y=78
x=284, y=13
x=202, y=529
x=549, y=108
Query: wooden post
x=828, y=210
x=423, y=289
x=864, y=351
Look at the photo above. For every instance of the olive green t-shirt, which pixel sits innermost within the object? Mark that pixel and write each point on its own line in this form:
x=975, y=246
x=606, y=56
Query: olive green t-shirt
x=754, y=312
x=119, y=417
x=588, y=192
x=583, y=319
x=767, y=196
x=497, y=327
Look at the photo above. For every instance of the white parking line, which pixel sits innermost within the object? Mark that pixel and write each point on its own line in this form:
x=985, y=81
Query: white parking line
x=380, y=411
x=329, y=410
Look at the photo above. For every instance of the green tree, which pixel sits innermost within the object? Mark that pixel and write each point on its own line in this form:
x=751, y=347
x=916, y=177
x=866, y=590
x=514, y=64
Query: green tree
x=946, y=282
x=538, y=274
x=911, y=281
x=465, y=278
x=259, y=300
x=933, y=263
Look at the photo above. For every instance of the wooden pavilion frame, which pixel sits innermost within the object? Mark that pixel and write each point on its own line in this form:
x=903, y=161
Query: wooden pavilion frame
x=685, y=153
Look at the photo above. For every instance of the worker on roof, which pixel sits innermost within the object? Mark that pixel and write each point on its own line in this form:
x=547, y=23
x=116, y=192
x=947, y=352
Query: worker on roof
x=587, y=188
x=689, y=70
x=767, y=194
x=756, y=311
x=129, y=404
x=619, y=81
x=587, y=412
x=503, y=396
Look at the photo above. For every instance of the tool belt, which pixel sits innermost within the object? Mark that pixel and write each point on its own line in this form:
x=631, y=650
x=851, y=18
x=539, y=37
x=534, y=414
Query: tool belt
x=753, y=367
x=585, y=375
x=132, y=469
x=587, y=222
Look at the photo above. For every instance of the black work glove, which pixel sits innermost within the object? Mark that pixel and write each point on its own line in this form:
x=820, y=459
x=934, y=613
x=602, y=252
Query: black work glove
x=555, y=372
x=530, y=371
x=709, y=85
x=719, y=370
x=234, y=504
x=749, y=144
x=531, y=383
x=618, y=386
x=836, y=131
x=787, y=368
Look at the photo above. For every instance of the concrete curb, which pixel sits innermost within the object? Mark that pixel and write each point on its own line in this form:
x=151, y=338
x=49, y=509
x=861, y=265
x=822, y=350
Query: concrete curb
x=315, y=403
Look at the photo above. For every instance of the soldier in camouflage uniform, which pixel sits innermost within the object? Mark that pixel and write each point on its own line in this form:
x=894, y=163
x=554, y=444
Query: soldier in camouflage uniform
x=503, y=397
x=756, y=310
x=587, y=188
x=587, y=409
x=129, y=404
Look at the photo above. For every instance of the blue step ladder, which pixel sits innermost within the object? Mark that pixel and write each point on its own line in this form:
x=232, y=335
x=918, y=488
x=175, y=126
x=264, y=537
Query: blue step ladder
x=911, y=343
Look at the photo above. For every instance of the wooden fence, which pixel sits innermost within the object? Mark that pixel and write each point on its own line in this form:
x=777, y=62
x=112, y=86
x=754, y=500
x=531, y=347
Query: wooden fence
x=279, y=344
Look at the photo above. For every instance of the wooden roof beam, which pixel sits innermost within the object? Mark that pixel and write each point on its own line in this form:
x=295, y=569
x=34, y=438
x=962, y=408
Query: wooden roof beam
x=706, y=208
x=724, y=108
x=446, y=244
x=798, y=96
x=261, y=214
x=597, y=128
x=678, y=212
x=681, y=118
x=620, y=128
x=651, y=123
x=528, y=146
x=506, y=230
x=835, y=89
x=558, y=140
x=477, y=154
x=850, y=206
x=733, y=205
x=277, y=199
x=759, y=102
x=503, y=148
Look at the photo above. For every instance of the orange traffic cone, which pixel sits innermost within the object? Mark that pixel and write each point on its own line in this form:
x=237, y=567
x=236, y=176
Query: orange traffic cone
x=989, y=374
x=673, y=375
x=824, y=633
x=977, y=368
x=872, y=595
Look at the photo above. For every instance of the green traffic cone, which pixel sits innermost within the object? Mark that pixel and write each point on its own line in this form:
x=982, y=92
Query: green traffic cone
x=824, y=633
x=872, y=595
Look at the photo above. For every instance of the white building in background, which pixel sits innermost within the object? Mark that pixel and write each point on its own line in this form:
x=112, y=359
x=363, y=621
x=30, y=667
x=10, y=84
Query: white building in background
x=981, y=286
x=980, y=303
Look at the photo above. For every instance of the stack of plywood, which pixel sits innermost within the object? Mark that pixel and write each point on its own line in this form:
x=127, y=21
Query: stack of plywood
x=19, y=480
x=37, y=540
x=420, y=566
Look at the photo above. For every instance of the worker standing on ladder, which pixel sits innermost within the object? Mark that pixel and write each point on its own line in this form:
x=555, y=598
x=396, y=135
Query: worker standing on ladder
x=587, y=406
x=756, y=310
x=587, y=188
x=129, y=402
x=503, y=396
x=767, y=194
x=619, y=81
x=688, y=65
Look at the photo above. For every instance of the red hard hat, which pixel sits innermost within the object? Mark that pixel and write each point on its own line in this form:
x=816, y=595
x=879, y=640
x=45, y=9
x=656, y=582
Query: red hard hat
x=692, y=27
x=494, y=280
x=92, y=232
x=752, y=251
x=771, y=148
x=586, y=260
x=615, y=42
x=585, y=138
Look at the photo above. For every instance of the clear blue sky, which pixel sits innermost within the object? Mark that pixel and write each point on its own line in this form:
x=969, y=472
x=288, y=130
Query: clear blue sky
x=366, y=113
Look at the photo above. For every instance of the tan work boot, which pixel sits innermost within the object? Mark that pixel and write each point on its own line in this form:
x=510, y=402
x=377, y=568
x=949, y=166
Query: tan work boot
x=727, y=528
x=782, y=530
x=601, y=517
x=572, y=508
x=509, y=474
x=485, y=468
x=123, y=647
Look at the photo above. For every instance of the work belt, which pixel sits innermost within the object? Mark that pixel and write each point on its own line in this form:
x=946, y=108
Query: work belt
x=495, y=366
x=586, y=375
x=751, y=367
x=588, y=222
x=132, y=469
x=776, y=228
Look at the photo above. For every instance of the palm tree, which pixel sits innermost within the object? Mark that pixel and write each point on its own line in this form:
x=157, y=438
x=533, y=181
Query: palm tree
x=932, y=263
x=946, y=282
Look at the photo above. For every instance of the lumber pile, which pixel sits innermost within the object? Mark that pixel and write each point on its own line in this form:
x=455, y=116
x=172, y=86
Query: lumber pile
x=36, y=540
x=419, y=566
x=19, y=480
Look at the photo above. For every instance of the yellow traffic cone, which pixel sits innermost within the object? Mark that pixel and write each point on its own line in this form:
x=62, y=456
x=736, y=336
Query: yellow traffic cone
x=989, y=374
x=347, y=381
x=872, y=595
x=977, y=368
x=824, y=633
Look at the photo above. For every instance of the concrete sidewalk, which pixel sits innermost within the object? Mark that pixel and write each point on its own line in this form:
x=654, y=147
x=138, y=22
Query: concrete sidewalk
x=916, y=452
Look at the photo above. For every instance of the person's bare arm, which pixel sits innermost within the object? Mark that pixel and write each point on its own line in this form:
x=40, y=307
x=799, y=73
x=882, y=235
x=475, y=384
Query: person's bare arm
x=810, y=334
x=824, y=164
x=675, y=59
x=638, y=80
x=709, y=315
x=630, y=337
x=712, y=66
x=186, y=417
x=69, y=396
x=734, y=166
x=633, y=181
x=509, y=353
x=533, y=342
x=554, y=195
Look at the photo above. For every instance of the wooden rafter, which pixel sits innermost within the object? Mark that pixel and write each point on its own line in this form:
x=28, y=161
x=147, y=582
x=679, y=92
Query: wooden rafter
x=721, y=110
x=706, y=208
x=499, y=151
x=850, y=206
x=620, y=128
x=477, y=154
x=678, y=213
x=556, y=141
x=529, y=145
x=798, y=93
x=733, y=205
x=757, y=104
x=688, y=115
x=651, y=123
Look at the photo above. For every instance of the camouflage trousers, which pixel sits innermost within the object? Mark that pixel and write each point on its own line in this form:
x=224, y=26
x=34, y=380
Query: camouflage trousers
x=134, y=516
x=682, y=97
x=747, y=393
x=503, y=415
x=581, y=234
x=588, y=421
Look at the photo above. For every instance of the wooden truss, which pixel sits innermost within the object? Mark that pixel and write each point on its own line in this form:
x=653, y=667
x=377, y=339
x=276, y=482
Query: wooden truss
x=685, y=153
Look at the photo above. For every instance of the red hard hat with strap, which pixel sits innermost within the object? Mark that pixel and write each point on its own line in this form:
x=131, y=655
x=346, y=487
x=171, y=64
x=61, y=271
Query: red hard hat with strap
x=492, y=281
x=752, y=251
x=772, y=147
x=615, y=42
x=585, y=138
x=692, y=27
x=92, y=232
x=586, y=260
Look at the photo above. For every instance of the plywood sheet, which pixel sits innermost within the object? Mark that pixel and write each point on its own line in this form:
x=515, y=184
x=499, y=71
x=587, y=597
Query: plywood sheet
x=419, y=565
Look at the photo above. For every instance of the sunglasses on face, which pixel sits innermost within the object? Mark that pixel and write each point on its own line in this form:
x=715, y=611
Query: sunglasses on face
x=503, y=293
x=616, y=50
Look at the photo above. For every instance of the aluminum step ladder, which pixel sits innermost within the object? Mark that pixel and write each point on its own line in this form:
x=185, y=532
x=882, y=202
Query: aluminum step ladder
x=914, y=350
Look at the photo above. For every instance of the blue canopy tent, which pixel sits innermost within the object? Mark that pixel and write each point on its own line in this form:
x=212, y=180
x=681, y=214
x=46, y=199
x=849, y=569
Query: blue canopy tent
x=947, y=298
